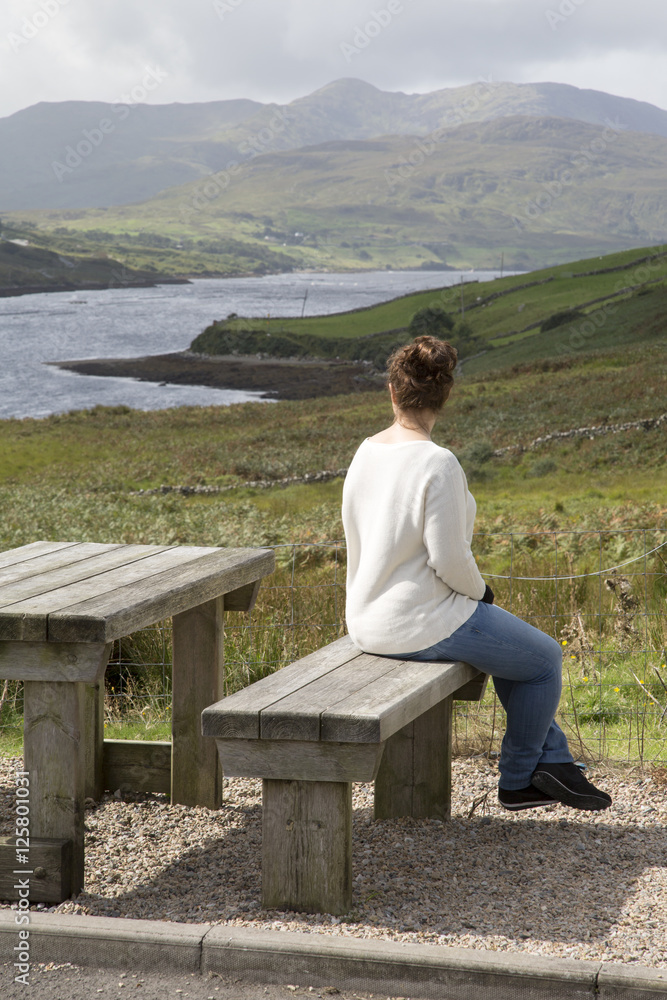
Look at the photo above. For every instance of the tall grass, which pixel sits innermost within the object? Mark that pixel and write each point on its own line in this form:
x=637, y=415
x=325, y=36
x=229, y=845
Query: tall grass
x=74, y=477
x=612, y=626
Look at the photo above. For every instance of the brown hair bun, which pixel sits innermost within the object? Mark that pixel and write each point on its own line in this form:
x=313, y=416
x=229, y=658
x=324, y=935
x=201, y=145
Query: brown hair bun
x=421, y=373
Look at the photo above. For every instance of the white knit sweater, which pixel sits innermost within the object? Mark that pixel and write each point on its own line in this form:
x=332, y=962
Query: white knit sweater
x=408, y=516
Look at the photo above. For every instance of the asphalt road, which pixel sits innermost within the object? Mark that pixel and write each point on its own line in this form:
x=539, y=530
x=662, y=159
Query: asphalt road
x=71, y=982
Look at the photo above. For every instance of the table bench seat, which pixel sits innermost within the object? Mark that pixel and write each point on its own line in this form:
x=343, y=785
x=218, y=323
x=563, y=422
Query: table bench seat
x=337, y=716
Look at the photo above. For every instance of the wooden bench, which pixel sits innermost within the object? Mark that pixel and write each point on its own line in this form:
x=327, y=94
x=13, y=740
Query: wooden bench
x=310, y=730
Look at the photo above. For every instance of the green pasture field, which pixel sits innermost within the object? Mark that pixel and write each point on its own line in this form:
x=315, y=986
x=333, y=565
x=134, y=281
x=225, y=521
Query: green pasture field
x=600, y=498
x=515, y=303
x=112, y=451
x=617, y=299
x=75, y=476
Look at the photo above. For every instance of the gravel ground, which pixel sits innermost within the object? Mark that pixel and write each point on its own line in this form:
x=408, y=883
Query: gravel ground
x=552, y=881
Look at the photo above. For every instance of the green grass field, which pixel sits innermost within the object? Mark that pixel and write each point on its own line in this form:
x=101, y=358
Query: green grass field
x=589, y=501
x=620, y=299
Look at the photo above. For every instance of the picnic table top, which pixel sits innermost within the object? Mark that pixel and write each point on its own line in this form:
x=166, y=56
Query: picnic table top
x=92, y=592
x=336, y=694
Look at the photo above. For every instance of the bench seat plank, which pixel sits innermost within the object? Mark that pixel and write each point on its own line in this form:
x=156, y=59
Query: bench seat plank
x=297, y=716
x=238, y=715
x=380, y=709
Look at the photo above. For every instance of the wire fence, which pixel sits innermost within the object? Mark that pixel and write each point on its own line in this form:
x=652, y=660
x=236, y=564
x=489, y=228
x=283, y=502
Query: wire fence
x=601, y=594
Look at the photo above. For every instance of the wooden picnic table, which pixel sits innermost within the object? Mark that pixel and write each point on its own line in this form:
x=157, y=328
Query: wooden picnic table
x=62, y=605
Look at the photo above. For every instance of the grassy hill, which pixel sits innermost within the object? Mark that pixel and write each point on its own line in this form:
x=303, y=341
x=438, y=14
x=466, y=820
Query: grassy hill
x=33, y=268
x=89, y=461
x=588, y=305
x=537, y=191
x=497, y=403
x=44, y=260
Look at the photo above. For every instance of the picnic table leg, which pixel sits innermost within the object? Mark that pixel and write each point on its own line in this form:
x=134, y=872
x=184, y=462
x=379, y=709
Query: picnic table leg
x=93, y=740
x=197, y=682
x=54, y=754
x=414, y=778
x=307, y=846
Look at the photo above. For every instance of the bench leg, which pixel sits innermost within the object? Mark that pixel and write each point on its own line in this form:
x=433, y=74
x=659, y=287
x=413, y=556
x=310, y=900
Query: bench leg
x=414, y=778
x=54, y=752
x=197, y=682
x=307, y=846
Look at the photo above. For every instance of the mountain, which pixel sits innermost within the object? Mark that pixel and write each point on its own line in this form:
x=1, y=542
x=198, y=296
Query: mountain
x=538, y=190
x=80, y=154
x=352, y=109
x=125, y=152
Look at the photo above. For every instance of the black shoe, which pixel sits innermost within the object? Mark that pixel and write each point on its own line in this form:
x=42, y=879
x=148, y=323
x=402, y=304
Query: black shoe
x=567, y=784
x=524, y=798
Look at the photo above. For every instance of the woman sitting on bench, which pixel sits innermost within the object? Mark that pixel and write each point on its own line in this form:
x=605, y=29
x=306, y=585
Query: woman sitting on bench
x=414, y=591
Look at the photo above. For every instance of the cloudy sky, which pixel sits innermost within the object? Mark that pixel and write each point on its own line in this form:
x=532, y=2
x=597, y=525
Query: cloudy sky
x=277, y=50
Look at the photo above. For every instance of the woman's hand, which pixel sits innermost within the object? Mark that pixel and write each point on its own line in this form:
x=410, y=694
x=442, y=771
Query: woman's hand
x=488, y=596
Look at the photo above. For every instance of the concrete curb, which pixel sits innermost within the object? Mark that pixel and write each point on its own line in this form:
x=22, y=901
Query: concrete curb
x=107, y=941
x=276, y=957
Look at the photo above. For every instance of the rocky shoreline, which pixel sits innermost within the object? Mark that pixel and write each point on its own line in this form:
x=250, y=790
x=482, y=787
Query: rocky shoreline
x=275, y=378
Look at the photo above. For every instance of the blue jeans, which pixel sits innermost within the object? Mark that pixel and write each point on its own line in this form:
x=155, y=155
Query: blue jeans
x=526, y=666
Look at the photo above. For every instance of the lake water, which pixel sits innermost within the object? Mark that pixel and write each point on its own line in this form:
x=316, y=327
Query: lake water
x=131, y=322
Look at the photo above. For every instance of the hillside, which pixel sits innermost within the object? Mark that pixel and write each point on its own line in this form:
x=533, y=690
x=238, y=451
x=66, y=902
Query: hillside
x=89, y=461
x=536, y=191
x=546, y=320
x=40, y=261
x=588, y=305
x=143, y=149
x=146, y=149
x=26, y=269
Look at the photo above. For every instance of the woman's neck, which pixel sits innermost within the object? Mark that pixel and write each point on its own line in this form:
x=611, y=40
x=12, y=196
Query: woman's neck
x=413, y=425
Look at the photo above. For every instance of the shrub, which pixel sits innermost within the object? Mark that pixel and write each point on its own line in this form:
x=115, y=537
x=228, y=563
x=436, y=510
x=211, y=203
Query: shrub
x=431, y=321
x=560, y=318
x=477, y=453
x=542, y=467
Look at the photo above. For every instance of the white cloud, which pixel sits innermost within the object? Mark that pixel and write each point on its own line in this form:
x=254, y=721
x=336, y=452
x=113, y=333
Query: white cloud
x=269, y=50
